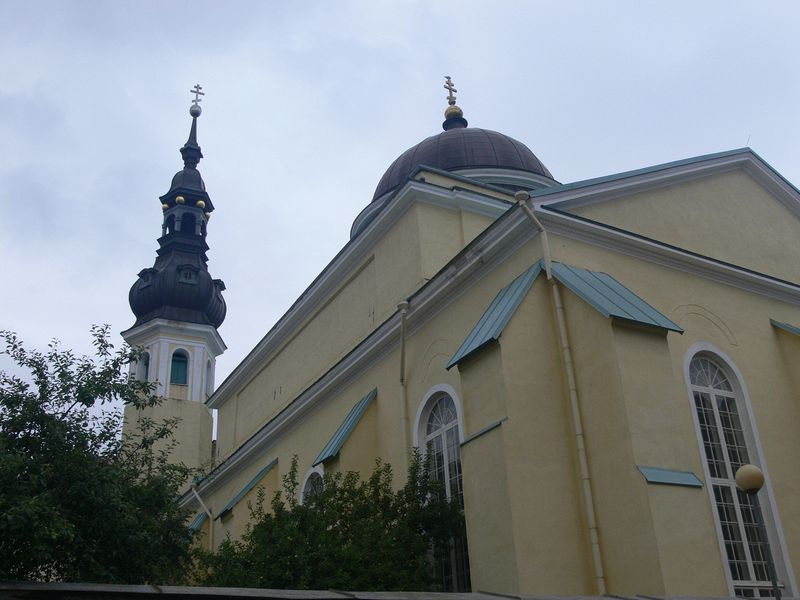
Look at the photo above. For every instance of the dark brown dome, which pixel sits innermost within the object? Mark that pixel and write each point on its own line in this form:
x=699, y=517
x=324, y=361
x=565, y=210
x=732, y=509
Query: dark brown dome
x=462, y=148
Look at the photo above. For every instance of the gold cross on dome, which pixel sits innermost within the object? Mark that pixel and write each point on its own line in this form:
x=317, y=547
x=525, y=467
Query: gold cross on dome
x=451, y=91
x=197, y=93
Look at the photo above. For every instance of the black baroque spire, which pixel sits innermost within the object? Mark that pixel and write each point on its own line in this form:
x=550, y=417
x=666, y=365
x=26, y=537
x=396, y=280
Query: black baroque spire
x=178, y=287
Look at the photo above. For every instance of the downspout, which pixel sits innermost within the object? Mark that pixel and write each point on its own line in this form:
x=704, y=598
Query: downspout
x=403, y=308
x=522, y=198
x=210, y=517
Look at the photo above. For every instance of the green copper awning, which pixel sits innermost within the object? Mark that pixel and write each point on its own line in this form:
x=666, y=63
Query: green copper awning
x=198, y=521
x=610, y=297
x=335, y=444
x=785, y=326
x=259, y=476
x=670, y=477
x=497, y=316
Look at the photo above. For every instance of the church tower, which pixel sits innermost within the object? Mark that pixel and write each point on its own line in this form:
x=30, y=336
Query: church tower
x=178, y=308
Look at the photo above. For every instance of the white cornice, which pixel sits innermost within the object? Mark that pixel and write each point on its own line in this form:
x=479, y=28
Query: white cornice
x=146, y=332
x=332, y=277
x=668, y=256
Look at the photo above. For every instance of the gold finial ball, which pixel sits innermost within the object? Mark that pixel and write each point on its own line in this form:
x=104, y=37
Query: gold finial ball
x=749, y=479
x=208, y=216
x=201, y=204
x=180, y=199
x=453, y=111
x=164, y=206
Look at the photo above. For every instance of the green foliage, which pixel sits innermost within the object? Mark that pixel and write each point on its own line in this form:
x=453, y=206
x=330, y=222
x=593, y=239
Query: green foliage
x=76, y=502
x=350, y=535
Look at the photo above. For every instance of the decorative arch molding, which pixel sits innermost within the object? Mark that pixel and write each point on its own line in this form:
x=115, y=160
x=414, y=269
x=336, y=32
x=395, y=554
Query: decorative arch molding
x=696, y=310
x=427, y=403
x=772, y=517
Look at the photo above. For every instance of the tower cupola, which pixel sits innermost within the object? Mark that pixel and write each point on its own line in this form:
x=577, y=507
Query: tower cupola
x=178, y=286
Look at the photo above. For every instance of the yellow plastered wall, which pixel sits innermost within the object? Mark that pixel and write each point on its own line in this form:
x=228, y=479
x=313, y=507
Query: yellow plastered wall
x=662, y=431
x=737, y=323
x=234, y=523
x=630, y=552
x=419, y=244
x=643, y=534
x=726, y=216
x=550, y=534
x=192, y=432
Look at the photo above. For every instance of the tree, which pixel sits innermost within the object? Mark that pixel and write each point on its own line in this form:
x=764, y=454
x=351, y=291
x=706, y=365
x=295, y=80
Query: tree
x=349, y=535
x=77, y=503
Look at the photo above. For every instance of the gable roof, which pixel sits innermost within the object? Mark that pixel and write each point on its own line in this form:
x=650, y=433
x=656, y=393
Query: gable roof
x=610, y=297
x=580, y=193
x=600, y=290
x=635, y=172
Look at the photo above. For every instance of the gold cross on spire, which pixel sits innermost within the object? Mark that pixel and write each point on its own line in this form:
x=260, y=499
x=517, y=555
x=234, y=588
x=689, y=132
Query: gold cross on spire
x=451, y=91
x=197, y=93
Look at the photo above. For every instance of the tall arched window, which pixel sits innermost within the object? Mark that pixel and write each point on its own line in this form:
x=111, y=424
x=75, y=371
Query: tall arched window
x=441, y=439
x=178, y=372
x=724, y=431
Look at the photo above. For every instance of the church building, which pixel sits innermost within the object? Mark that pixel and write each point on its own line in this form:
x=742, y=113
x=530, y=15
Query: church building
x=589, y=363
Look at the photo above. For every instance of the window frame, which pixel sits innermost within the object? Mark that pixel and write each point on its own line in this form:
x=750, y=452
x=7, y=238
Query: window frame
x=182, y=353
x=420, y=438
x=769, y=508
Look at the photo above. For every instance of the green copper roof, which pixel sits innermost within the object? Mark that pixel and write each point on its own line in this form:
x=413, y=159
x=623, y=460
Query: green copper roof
x=603, y=292
x=610, y=297
x=259, y=476
x=198, y=521
x=785, y=326
x=335, y=444
x=496, y=317
x=670, y=477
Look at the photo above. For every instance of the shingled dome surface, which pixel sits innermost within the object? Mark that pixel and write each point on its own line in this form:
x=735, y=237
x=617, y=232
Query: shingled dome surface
x=461, y=148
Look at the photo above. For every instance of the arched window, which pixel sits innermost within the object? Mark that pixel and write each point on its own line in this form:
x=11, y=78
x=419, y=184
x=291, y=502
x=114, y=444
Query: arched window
x=439, y=436
x=312, y=486
x=170, y=224
x=143, y=367
x=442, y=441
x=178, y=372
x=726, y=439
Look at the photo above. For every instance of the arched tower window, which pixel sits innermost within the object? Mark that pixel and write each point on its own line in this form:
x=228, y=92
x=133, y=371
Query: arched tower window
x=728, y=442
x=179, y=369
x=440, y=438
x=143, y=367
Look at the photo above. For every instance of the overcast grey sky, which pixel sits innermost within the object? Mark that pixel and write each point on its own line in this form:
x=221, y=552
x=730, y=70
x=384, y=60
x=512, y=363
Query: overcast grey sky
x=307, y=104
